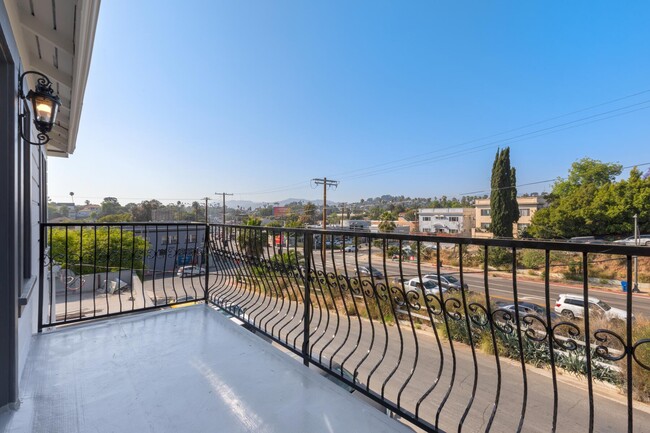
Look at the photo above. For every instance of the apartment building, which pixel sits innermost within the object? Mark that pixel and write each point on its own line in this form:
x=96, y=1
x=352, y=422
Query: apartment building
x=527, y=208
x=459, y=221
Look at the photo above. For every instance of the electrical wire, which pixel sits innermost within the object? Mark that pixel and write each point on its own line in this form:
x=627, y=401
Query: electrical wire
x=391, y=167
x=522, y=137
x=540, y=181
x=508, y=131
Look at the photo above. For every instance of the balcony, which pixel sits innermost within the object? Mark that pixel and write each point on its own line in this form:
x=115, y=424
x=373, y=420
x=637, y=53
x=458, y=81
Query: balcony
x=181, y=370
x=464, y=337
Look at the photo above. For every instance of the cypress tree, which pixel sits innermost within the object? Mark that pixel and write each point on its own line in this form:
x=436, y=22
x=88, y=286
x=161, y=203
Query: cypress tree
x=503, y=198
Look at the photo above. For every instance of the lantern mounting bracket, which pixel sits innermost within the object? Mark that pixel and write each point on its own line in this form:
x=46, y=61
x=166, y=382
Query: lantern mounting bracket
x=43, y=89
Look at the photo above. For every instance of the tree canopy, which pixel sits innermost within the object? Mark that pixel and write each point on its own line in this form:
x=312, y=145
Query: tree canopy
x=589, y=202
x=253, y=241
x=97, y=250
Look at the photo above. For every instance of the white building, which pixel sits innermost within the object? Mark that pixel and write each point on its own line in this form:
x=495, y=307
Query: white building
x=446, y=220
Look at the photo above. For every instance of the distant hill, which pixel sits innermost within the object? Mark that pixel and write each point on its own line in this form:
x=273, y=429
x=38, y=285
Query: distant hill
x=245, y=204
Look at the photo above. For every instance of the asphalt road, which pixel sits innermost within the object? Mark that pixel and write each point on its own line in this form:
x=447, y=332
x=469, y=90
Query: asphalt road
x=500, y=288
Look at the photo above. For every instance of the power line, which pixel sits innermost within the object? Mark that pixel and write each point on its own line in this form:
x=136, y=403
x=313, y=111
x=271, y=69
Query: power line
x=507, y=131
x=293, y=186
x=539, y=181
x=515, y=139
x=296, y=186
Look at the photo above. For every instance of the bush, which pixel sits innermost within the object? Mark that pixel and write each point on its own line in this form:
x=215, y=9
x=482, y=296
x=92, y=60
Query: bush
x=532, y=259
x=500, y=258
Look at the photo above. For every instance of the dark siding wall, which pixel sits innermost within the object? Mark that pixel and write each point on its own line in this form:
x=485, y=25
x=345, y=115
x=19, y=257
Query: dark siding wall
x=8, y=215
x=21, y=194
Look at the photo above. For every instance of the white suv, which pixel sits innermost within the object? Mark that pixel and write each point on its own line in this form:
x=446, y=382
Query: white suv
x=430, y=287
x=572, y=306
x=643, y=240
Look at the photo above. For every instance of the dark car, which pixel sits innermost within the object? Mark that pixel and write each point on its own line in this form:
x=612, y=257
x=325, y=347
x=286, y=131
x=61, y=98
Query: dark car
x=367, y=271
x=447, y=281
x=527, y=308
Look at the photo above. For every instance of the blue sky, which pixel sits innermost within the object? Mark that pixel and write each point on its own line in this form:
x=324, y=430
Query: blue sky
x=185, y=99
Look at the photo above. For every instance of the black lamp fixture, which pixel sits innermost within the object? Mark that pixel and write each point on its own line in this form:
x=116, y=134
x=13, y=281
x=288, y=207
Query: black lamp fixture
x=45, y=106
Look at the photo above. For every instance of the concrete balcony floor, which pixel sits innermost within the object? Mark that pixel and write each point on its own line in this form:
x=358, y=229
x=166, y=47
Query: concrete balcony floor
x=183, y=370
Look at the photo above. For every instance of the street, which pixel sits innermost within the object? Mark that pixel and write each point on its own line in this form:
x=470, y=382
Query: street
x=500, y=287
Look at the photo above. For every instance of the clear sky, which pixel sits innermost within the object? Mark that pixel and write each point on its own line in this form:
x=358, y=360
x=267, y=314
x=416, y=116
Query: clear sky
x=190, y=98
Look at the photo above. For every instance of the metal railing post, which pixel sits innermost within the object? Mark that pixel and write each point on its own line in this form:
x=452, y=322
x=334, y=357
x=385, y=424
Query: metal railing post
x=206, y=254
x=308, y=246
x=41, y=275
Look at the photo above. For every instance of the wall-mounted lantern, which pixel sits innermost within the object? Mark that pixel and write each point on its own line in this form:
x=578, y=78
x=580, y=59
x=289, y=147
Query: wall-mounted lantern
x=45, y=106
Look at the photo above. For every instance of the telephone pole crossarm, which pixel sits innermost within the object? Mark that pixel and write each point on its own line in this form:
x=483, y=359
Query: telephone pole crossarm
x=326, y=183
x=223, y=197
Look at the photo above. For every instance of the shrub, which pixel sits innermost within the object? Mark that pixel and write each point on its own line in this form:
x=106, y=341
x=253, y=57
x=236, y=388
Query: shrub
x=500, y=258
x=532, y=259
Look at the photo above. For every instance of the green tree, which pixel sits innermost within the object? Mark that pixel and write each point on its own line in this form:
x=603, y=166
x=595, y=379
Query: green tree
x=253, y=240
x=309, y=213
x=110, y=206
x=504, y=211
x=295, y=224
x=375, y=212
x=387, y=222
x=411, y=215
x=54, y=211
x=116, y=218
x=333, y=219
x=264, y=211
x=590, y=203
x=196, y=209
x=97, y=250
x=144, y=210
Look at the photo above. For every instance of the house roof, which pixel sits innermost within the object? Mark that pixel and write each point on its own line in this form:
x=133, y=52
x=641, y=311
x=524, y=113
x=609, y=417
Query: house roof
x=56, y=38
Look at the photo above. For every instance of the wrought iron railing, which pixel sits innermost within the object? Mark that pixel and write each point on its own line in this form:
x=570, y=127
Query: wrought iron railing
x=449, y=347
x=449, y=333
x=91, y=271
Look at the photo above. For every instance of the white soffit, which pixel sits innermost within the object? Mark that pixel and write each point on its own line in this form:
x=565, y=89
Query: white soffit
x=56, y=37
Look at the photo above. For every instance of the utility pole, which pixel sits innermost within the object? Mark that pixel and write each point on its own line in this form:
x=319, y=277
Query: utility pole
x=326, y=183
x=223, y=229
x=206, y=209
x=223, y=195
x=636, y=258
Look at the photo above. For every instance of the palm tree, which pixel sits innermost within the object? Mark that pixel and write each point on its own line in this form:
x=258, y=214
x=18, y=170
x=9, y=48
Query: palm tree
x=387, y=223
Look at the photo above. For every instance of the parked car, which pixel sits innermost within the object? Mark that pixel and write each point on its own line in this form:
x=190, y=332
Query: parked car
x=572, y=306
x=527, y=308
x=448, y=281
x=430, y=287
x=588, y=240
x=644, y=240
x=190, y=271
x=366, y=271
x=350, y=249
